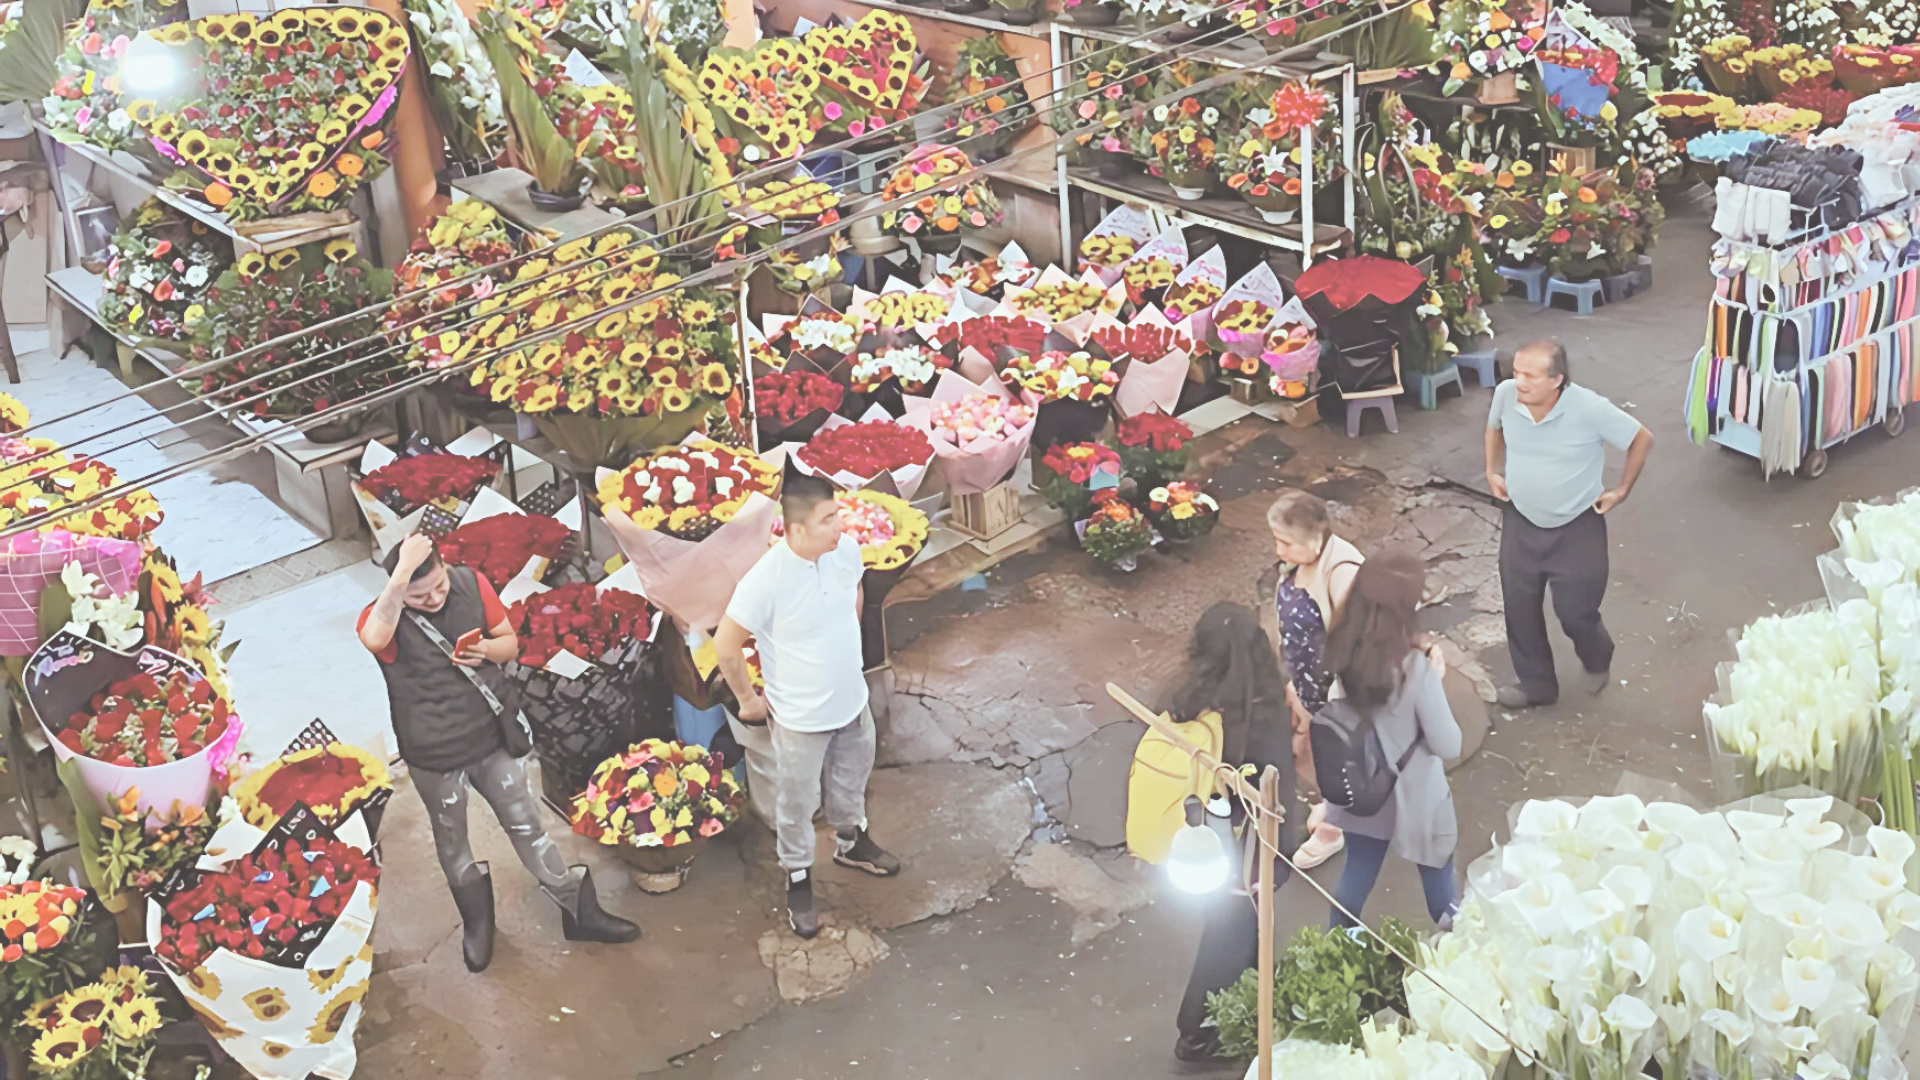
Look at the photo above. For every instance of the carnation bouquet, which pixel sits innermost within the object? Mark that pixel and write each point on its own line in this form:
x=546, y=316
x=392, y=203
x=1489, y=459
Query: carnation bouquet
x=105, y=1030
x=1181, y=511
x=1152, y=447
x=332, y=780
x=857, y=455
x=1115, y=532
x=987, y=126
x=692, y=519
x=277, y=113
x=162, y=264
x=1067, y=472
x=273, y=301
x=658, y=794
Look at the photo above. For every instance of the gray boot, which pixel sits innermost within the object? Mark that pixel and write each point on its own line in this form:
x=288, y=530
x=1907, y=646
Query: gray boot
x=475, y=901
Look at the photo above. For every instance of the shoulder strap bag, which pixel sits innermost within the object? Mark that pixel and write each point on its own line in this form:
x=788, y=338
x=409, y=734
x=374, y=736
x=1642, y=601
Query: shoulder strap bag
x=501, y=694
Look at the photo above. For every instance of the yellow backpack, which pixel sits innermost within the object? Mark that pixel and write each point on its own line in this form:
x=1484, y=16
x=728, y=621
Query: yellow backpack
x=1162, y=777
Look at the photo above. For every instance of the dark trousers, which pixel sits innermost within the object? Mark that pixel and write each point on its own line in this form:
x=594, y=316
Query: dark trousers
x=1229, y=944
x=1573, y=560
x=1365, y=855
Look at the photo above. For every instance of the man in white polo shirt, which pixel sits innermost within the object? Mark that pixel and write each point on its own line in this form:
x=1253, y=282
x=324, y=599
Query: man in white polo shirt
x=1551, y=437
x=801, y=605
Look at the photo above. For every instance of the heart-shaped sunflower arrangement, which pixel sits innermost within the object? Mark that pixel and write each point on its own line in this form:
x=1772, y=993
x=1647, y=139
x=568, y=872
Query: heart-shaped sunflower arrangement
x=762, y=99
x=279, y=113
x=868, y=73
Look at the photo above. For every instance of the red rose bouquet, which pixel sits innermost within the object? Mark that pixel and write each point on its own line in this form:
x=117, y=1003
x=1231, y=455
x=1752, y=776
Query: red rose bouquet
x=1061, y=376
x=329, y=780
x=407, y=483
x=992, y=332
x=1067, y=471
x=1153, y=447
x=1182, y=511
x=865, y=449
x=658, y=794
x=788, y=397
x=499, y=547
x=1142, y=341
x=580, y=619
x=141, y=722
x=687, y=491
x=260, y=904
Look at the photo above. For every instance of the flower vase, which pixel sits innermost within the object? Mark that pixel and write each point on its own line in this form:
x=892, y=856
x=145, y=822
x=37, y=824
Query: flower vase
x=659, y=869
x=1093, y=13
x=1275, y=209
x=939, y=243
x=554, y=203
x=1188, y=186
x=1127, y=563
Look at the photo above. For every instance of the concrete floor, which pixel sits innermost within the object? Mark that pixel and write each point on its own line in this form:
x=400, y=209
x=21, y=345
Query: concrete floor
x=1071, y=961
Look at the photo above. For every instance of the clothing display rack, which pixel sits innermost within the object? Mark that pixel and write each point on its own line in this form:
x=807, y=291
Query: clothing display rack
x=1810, y=344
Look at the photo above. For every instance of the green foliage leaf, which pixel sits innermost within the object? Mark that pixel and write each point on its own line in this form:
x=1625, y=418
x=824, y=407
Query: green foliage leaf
x=1324, y=986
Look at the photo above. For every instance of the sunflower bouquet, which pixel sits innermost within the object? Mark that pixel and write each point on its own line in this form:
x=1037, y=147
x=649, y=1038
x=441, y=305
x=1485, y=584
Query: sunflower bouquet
x=280, y=113
x=174, y=617
x=271, y=301
x=36, y=477
x=162, y=265
x=761, y=99
x=105, y=1030
x=941, y=203
x=442, y=273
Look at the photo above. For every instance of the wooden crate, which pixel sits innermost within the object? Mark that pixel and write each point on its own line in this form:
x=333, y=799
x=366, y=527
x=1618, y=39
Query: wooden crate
x=1572, y=160
x=986, y=515
x=1250, y=391
x=1501, y=89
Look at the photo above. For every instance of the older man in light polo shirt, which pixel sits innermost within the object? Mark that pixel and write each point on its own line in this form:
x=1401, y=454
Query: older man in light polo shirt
x=801, y=604
x=1551, y=437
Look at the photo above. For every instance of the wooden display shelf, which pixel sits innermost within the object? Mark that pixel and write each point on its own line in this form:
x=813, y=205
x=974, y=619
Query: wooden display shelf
x=505, y=190
x=1231, y=216
x=258, y=235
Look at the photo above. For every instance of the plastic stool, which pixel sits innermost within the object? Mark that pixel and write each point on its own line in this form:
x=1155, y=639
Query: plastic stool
x=1582, y=293
x=1426, y=385
x=1485, y=364
x=1357, y=407
x=1533, y=277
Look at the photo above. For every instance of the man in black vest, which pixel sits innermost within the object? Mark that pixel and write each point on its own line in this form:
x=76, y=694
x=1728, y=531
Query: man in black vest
x=450, y=738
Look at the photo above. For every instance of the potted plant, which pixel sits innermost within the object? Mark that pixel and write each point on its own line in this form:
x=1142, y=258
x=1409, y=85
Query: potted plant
x=1116, y=532
x=559, y=179
x=1266, y=162
x=1066, y=473
x=995, y=109
x=1179, y=146
x=942, y=203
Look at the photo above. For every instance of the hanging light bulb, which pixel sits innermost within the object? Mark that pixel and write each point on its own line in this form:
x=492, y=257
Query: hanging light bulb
x=149, y=67
x=1197, y=860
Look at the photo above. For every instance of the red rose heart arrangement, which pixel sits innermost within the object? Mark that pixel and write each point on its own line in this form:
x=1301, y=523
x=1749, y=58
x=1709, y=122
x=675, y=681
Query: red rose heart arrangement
x=866, y=449
x=141, y=722
x=411, y=482
x=259, y=905
x=578, y=618
x=498, y=547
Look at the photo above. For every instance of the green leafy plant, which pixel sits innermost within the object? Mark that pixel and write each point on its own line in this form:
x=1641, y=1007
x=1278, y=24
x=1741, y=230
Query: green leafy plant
x=1326, y=984
x=552, y=160
x=679, y=183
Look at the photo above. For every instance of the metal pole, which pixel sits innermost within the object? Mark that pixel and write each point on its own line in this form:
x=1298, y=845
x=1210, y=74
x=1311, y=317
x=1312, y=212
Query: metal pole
x=1268, y=828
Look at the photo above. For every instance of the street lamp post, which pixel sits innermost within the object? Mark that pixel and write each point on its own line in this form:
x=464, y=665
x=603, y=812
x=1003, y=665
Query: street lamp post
x=1266, y=800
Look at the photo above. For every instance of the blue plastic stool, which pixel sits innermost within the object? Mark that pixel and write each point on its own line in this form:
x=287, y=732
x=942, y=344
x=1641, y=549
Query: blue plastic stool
x=1533, y=277
x=1357, y=407
x=1485, y=364
x=1582, y=293
x=1426, y=386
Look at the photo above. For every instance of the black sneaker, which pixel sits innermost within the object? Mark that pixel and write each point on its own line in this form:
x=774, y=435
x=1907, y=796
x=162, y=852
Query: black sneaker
x=800, y=914
x=1202, y=1046
x=860, y=852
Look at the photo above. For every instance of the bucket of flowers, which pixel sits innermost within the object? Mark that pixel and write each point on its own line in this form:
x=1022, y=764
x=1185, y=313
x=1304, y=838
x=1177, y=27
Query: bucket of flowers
x=942, y=198
x=270, y=950
x=147, y=719
x=1179, y=146
x=585, y=660
x=1181, y=511
x=1152, y=448
x=1068, y=472
x=692, y=519
x=1116, y=532
x=653, y=805
x=856, y=456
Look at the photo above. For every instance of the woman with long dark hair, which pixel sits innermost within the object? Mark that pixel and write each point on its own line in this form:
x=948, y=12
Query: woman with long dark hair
x=1231, y=670
x=1389, y=680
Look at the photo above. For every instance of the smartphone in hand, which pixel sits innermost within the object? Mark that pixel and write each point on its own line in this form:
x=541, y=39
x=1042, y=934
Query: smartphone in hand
x=466, y=643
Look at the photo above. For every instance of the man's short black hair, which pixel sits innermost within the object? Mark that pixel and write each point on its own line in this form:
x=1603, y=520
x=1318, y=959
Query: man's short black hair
x=800, y=492
x=392, y=560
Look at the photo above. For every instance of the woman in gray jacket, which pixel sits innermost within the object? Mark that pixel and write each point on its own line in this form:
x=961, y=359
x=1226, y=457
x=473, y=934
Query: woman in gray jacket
x=1390, y=680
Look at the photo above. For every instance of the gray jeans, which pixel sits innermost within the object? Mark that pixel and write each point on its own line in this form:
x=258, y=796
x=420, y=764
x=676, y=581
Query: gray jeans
x=816, y=766
x=502, y=781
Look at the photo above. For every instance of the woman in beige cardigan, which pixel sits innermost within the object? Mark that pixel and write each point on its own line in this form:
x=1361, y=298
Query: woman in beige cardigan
x=1317, y=573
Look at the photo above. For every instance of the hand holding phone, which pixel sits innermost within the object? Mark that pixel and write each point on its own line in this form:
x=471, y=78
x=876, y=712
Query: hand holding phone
x=467, y=648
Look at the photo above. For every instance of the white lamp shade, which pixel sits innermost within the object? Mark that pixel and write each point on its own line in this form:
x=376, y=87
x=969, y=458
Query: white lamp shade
x=1197, y=861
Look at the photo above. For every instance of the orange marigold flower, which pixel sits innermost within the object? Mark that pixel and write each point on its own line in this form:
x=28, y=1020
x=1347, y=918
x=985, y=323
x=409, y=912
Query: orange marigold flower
x=322, y=185
x=218, y=194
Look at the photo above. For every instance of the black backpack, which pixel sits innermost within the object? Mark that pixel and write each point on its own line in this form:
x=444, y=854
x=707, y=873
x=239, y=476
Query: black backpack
x=1350, y=763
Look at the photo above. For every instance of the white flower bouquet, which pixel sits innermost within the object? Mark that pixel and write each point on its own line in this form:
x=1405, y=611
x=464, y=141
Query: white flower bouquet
x=1763, y=941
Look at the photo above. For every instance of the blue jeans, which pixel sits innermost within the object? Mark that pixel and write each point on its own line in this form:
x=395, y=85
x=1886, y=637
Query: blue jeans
x=1364, y=856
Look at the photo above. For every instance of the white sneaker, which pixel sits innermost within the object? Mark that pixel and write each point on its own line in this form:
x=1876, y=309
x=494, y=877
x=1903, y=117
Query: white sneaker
x=1316, y=851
